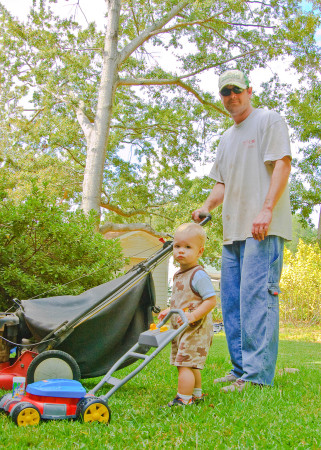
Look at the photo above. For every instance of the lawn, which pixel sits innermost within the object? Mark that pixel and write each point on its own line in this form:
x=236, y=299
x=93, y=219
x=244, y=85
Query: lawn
x=287, y=416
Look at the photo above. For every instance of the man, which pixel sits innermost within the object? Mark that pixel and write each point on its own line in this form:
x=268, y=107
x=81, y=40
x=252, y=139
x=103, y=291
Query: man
x=251, y=170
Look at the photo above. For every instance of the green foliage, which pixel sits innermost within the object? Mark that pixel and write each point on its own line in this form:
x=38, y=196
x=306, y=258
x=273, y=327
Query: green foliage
x=48, y=251
x=301, y=231
x=304, y=117
x=51, y=64
x=192, y=194
x=301, y=285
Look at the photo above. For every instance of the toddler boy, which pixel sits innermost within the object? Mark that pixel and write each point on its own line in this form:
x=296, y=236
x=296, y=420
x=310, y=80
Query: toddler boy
x=193, y=292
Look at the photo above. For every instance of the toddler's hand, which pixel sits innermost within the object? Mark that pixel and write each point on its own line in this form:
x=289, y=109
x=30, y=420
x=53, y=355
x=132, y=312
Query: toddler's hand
x=163, y=314
x=190, y=318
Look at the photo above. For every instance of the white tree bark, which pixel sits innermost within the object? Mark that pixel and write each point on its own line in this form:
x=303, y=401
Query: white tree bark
x=98, y=133
x=97, y=137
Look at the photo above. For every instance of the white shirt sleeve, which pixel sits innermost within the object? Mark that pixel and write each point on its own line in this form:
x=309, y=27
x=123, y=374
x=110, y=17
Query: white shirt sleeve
x=202, y=284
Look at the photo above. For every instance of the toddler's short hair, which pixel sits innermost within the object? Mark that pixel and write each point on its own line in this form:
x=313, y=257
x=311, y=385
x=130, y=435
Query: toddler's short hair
x=193, y=228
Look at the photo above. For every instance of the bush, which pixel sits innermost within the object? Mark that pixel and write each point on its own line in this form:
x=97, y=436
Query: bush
x=43, y=247
x=301, y=284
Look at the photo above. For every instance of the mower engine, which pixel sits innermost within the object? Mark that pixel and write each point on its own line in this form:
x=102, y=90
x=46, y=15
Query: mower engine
x=9, y=330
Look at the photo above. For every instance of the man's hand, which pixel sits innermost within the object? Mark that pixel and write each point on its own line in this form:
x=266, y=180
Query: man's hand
x=196, y=214
x=261, y=224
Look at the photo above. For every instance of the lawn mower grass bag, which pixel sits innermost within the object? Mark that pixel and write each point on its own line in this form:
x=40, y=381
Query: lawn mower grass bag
x=96, y=327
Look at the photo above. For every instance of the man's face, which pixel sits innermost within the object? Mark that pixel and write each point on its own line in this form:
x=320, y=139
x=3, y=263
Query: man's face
x=237, y=104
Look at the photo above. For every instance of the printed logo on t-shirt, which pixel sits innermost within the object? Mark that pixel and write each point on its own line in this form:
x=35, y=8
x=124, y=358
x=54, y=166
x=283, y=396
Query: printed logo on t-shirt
x=249, y=143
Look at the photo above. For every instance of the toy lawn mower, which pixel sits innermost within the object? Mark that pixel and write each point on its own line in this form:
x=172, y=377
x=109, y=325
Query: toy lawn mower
x=68, y=399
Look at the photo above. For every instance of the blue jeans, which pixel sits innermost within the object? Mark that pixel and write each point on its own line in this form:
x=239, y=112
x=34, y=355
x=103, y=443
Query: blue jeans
x=251, y=272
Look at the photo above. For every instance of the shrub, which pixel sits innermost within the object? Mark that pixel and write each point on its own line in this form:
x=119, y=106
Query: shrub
x=301, y=284
x=43, y=247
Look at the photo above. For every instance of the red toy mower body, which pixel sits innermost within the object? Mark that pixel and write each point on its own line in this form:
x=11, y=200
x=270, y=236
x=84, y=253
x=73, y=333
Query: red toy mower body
x=18, y=369
x=54, y=399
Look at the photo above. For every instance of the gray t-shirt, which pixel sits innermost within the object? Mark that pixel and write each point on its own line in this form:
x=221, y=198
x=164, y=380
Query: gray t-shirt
x=243, y=164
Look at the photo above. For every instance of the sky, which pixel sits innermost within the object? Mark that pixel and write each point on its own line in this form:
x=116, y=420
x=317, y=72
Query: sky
x=94, y=10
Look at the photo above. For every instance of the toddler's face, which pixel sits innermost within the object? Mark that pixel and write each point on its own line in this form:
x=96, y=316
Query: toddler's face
x=187, y=249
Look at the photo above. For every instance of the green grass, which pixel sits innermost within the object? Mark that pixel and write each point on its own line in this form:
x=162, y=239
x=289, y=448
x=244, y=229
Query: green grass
x=301, y=332
x=287, y=416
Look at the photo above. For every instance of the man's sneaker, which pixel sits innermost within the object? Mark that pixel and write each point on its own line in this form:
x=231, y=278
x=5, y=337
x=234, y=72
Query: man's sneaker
x=229, y=378
x=199, y=399
x=179, y=402
x=238, y=385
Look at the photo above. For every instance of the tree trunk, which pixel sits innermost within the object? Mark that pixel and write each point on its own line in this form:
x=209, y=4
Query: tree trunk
x=97, y=139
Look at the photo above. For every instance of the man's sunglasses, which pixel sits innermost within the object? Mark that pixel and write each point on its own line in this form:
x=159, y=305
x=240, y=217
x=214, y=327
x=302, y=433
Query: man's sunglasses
x=227, y=91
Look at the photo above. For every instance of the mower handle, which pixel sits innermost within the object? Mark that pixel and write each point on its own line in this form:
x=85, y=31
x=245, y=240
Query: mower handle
x=207, y=217
x=180, y=312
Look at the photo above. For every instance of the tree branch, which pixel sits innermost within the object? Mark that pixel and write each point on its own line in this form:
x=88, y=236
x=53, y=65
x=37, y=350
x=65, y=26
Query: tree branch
x=249, y=25
x=211, y=66
x=84, y=122
x=182, y=25
x=260, y=3
x=133, y=212
x=139, y=129
x=34, y=117
x=150, y=31
x=177, y=82
x=202, y=22
x=123, y=227
x=120, y=212
x=156, y=29
x=134, y=18
x=73, y=157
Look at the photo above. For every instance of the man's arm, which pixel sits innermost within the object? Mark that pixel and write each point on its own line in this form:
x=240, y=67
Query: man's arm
x=215, y=198
x=279, y=180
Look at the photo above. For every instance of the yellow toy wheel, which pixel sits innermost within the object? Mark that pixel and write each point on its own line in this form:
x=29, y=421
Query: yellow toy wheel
x=25, y=414
x=94, y=410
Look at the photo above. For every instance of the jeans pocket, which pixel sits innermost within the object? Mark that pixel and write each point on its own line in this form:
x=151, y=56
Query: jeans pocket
x=275, y=269
x=273, y=297
x=273, y=281
x=274, y=289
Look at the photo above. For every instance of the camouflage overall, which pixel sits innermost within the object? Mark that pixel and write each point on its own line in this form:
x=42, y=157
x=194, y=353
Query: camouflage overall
x=191, y=347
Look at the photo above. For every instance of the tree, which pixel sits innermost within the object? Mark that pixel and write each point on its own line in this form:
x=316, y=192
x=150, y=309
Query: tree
x=125, y=101
x=305, y=113
x=301, y=232
x=300, y=285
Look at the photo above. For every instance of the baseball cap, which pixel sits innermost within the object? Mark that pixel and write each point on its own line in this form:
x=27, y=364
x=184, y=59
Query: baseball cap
x=233, y=77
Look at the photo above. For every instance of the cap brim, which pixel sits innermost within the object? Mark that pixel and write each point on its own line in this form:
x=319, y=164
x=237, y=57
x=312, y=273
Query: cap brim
x=234, y=83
